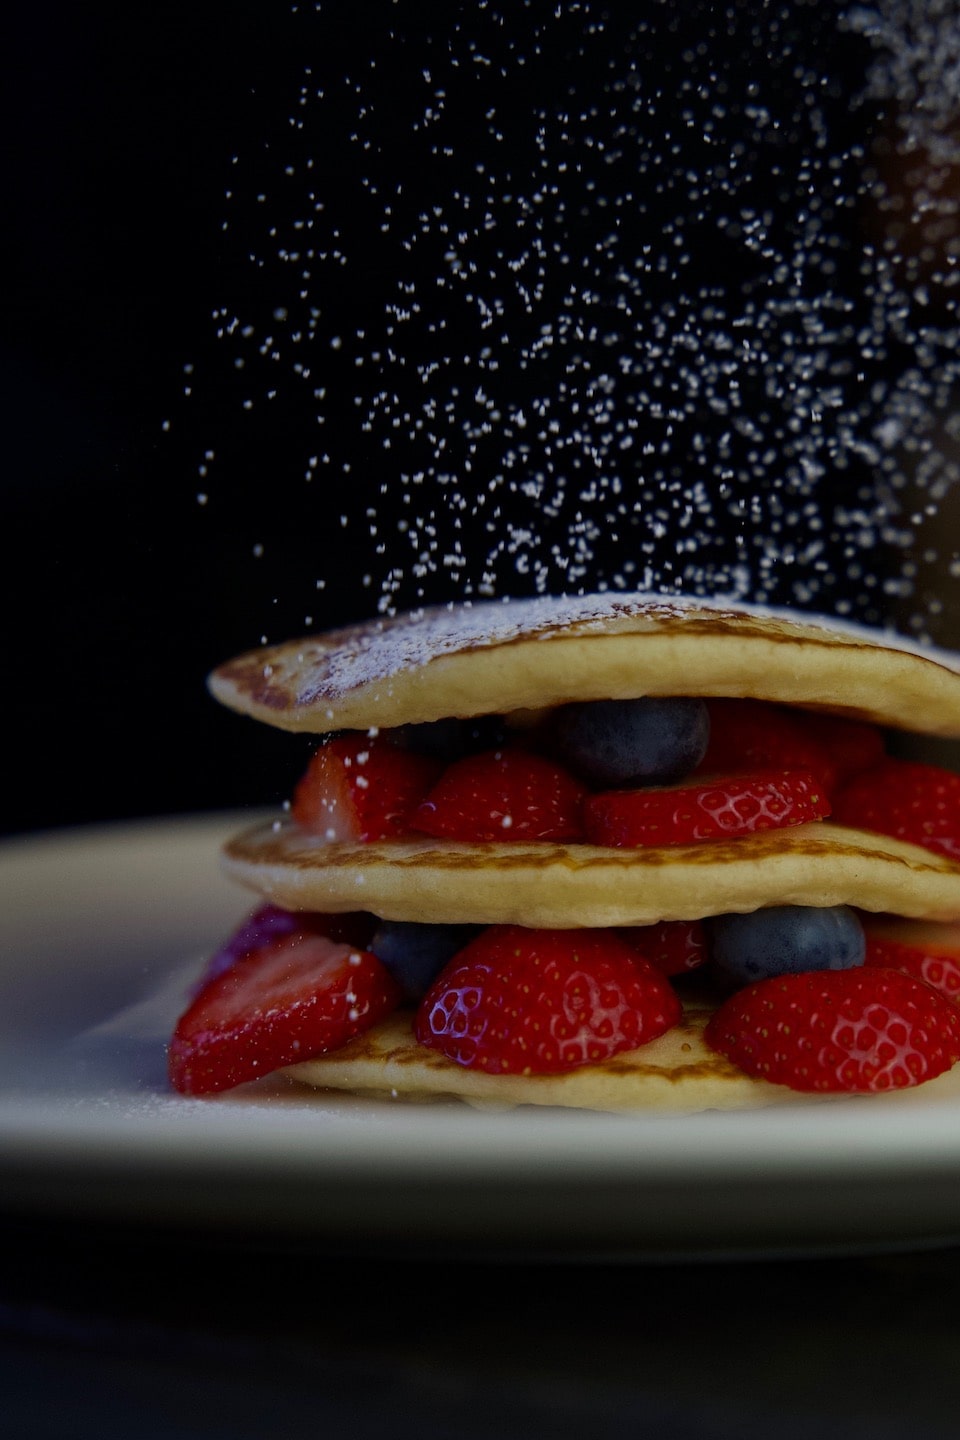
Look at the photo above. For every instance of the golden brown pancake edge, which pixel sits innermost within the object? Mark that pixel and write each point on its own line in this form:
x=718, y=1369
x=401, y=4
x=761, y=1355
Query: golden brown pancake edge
x=418, y=668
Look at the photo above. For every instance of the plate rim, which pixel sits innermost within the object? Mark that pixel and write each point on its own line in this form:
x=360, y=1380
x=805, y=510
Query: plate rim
x=359, y=1145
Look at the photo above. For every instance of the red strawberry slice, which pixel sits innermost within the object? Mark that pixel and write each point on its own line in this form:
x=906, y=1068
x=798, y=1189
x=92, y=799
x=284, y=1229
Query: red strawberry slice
x=539, y=1002
x=839, y=1030
x=704, y=809
x=758, y=735
x=358, y=788
x=921, y=948
x=294, y=998
x=852, y=745
x=908, y=800
x=674, y=946
x=270, y=922
x=502, y=795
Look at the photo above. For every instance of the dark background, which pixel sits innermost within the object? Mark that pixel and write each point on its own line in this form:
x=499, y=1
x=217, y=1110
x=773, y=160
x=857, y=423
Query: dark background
x=120, y=591
x=118, y=598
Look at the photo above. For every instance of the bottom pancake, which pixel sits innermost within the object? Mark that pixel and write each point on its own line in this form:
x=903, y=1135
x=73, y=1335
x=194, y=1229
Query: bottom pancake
x=677, y=1073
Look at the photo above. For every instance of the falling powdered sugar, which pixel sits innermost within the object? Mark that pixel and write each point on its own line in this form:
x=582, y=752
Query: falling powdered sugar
x=559, y=299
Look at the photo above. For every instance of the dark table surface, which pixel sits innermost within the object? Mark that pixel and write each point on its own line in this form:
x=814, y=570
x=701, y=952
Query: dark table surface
x=177, y=1335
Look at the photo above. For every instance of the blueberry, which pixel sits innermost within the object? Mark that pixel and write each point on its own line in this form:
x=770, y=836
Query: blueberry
x=614, y=743
x=451, y=739
x=415, y=953
x=786, y=939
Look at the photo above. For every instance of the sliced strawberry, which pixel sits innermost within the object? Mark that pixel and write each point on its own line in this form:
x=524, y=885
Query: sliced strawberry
x=758, y=735
x=908, y=800
x=839, y=1030
x=704, y=809
x=269, y=922
x=358, y=788
x=538, y=1002
x=502, y=795
x=921, y=948
x=298, y=996
x=852, y=745
x=674, y=946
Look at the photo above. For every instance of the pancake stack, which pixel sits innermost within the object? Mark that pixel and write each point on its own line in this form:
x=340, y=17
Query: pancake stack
x=521, y=660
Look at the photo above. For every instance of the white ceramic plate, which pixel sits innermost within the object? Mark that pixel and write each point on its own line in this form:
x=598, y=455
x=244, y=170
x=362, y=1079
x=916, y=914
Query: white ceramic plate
x=101, y=933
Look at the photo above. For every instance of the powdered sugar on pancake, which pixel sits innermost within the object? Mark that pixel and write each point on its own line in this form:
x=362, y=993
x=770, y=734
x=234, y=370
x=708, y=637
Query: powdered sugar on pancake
x=330, y=667
x=384, y=648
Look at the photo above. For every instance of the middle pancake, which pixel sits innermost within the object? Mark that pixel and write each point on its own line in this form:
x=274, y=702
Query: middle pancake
x=565, y=886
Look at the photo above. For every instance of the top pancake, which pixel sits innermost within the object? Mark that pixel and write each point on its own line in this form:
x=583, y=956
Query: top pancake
x=528, y=654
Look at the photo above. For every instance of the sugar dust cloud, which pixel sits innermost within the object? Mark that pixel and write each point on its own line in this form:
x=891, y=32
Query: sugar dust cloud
x=556, y=300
